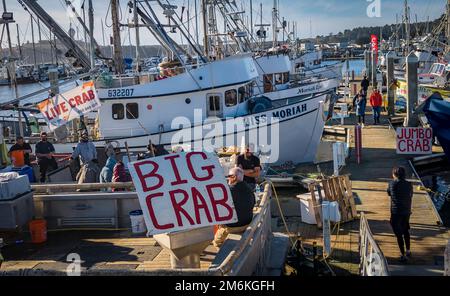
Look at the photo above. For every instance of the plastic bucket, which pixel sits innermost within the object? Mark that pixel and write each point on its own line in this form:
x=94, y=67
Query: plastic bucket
x=137, y=222
x=38, y=230
x=18, y=158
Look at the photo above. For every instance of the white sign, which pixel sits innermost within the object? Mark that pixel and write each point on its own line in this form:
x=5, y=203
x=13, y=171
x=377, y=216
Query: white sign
x=182, y=192
x=412, y=140
x=63, y=108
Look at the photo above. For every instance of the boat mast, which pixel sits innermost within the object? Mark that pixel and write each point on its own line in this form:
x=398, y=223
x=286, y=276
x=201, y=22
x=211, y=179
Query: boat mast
x=447, y=33
x=138, y=39
x=407, y=28
x=91, y=34
x=118, y=57
x=33, y=41
x=274, y=23
x=18, y=43
x=205, y=29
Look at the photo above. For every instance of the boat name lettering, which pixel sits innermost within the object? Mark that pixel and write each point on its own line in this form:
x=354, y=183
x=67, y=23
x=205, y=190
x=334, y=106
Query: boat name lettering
x=119, y=93
x=310, y=88
x=293, y=111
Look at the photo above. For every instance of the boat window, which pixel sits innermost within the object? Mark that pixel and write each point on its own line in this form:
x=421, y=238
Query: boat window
x=242, y=94
x=132, y=111
x=118, y=111
x=214, y=102
x=268, y=86
x=285, y=77
x=231, y=98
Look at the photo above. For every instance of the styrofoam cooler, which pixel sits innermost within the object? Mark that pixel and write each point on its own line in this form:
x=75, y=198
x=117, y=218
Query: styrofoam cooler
x=14, y=187
x=308, y=211
x=16, y=212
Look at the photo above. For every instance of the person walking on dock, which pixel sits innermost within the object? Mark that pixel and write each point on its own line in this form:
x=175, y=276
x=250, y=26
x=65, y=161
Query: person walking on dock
x=401, y=193
x=44, y=154
x=365, y=83
x=86, y=151
x=360, y=104
x=376, y=101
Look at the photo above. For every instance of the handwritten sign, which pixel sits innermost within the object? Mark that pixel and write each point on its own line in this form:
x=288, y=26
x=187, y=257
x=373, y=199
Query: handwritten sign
x=414, y=141
x=182, y=192
x=68, y=106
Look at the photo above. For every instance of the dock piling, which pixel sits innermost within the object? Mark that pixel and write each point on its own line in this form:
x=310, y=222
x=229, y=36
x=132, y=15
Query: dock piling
x=390, y=80
x=412, y=63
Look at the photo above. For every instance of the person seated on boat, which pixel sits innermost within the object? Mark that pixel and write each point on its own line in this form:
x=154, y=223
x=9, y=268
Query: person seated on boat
x=106, y=174
x=120, y=175
x=44, y=154
x=163, y=74
x=87, y=153
x=251, y=165
x=153, y=151
x=21, y=147
x=244, y=201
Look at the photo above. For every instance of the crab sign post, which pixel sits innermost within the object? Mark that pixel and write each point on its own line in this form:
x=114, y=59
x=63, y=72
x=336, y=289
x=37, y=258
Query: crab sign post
x=183, y=191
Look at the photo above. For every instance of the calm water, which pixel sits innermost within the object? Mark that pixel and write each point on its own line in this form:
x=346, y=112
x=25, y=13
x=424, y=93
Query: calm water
x=355, y=65
x=440, y=183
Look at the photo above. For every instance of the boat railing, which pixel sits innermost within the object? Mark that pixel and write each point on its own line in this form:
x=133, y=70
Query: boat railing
x=125, y=80
x=372, y=260
x=254, y=238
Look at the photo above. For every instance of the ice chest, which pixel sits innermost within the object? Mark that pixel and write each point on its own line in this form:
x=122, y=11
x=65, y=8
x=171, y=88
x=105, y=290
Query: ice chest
x=16, y=212
x=308, y=211
x=14, y=188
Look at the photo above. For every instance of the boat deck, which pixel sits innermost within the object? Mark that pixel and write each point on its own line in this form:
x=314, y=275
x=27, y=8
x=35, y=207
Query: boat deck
x=370, y=181
x=114, y=251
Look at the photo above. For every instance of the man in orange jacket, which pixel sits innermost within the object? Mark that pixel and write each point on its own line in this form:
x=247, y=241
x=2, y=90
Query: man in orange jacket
x=376, y=101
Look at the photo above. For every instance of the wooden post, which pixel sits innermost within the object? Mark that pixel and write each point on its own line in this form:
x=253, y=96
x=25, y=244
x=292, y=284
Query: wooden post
x=412, y=62
x=128, y=151
x=447, y=260
x=390, y=79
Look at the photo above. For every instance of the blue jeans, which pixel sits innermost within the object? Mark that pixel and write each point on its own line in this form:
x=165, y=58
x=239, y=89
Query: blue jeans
x=377, y=114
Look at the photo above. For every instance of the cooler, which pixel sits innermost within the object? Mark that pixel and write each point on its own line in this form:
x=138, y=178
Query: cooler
x=16, y=212
x=14, y=187
x=26, y=171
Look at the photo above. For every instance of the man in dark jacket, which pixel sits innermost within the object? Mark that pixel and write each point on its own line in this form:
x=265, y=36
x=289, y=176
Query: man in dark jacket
x=244, y=201
x=401, y=193
x=365, y=83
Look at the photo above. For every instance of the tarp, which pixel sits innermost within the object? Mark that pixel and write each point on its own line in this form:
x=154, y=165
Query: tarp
x=437, y=112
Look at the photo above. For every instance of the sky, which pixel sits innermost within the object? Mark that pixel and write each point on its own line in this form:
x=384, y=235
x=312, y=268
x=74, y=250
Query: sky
x=313, y=17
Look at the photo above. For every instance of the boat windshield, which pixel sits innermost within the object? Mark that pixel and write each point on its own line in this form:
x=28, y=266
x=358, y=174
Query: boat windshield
x=437, y=69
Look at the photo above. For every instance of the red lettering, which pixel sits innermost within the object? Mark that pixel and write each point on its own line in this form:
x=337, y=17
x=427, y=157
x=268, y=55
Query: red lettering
x=426, y=145
x=178, y=206
x=401, y=146
x=200, y=203
x=429, y=133
x=421, y=133
x=152, y=174
x=78, y=100
x=85, y=98
x=209, y=169
x=91, y=94
x=219, y=202
x=72, y=103
x=410, y=145
x=151, y=211
x=175, y=170
x=48, y=116
x=64, y=107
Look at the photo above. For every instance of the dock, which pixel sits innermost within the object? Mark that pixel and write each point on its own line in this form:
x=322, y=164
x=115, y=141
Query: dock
x=370, y=181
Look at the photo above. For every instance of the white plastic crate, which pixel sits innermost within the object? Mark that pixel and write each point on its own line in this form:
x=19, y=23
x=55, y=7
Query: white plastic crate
x=16, y=212
x=15, y=187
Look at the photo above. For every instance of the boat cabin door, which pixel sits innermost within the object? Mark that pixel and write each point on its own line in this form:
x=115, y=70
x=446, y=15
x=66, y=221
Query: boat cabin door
x=214, y=105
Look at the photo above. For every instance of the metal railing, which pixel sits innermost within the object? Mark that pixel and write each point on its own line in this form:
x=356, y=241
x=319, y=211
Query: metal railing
x=372, y=260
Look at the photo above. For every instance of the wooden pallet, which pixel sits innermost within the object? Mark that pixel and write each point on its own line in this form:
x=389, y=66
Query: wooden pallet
x=337, y=189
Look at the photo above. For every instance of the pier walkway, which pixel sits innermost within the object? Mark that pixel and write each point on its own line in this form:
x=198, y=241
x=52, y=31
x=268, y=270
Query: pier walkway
x=370, y=181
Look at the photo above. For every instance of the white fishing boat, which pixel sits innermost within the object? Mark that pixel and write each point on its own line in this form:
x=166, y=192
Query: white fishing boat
x=197, y=107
